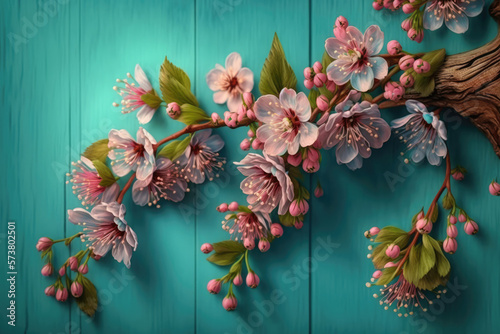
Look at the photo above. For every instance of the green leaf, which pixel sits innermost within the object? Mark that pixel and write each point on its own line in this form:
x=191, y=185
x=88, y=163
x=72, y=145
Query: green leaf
x=192, y=115
x=277, y=72
x=174, y=85
x=435, y=214
x=448, y=201
x=226, y=252
x=175, y=148
x=97, y=151
x=424, y=82
x=287, y=219
x=325, y=61
x=435, y=59
x=87, y=302
x=410, y=268
x=442, y=263
x=431, y=280
x=423, y=85
x=152, y=99
x=389, y=234
x=313, y=95
x=105, y=173
x=228, y=246
x=388, y=275
x=223, y=259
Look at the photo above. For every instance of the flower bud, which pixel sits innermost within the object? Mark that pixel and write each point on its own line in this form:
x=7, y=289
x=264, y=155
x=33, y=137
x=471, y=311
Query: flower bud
x=47, y=269
x=294, y=160
x=249, y=243
x=318, y=191
x=421, y=66
x=424, y=226
x=248, y=99
x=420, y=215
x=214, y=286
x=245, y=144
x=393, y=91
x=450, y=245
x=252, y=280
x=319, y=79
x=406, y=62
x=43, y=244
x=494, y=188
x=207, y=248
x=95, y=256
x=377, y=274
x=62, y=271
x=62, y=294
x=462, y=218
x=408, y=8
x=222, y=207
x=458, y=175
x=50, y=290
x=215, y=117
x=322, y=103
x=377, y=6
x=238, y=280
x=229, y=303
x=407, y=80
x=471, y=227
x=264, y=245
x=406, y=24
x=257, y=144
x=73, y=263
x=341, y=22
x=415, y=35
x=392, y=251
x=331, y=86
x=276, y=230
x=309, y=84
x=233, y=206
x=173, y=110
x=83, y=269
x=76, y=289
x=250, y=133
x=452, y=219
x=452, y=231
x=394, y=47
x=317, y=67
x=373, y=231
x=310, y=166
x=231, y=119
x=390, y=265
x=251, y=115
x=294, y=208
x=298, y=224
x=307, y=73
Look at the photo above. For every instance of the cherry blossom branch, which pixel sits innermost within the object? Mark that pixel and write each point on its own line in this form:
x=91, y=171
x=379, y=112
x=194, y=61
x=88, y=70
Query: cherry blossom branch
x=125, y=188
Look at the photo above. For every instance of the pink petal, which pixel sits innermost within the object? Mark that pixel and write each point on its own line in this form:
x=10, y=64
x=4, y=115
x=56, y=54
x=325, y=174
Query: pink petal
x=308, y=134
x=111, y=193
x=339, y=71
x=267, y=107
x=287, y=98
x=234, y=102
x=213, y=78
x=142, y=79
x=221, y=97
x=373, y=40
x=245, y=79
x=145, y=114
x=233, y=63
x=334, y=47
x=302, y=107
x=264, y=132
x=379, y=67
x=363, y=80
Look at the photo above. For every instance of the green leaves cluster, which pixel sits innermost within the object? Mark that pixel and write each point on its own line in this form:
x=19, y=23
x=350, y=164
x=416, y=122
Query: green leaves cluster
x=226, y=252
x=97, y=151
x=105, y=173
x=387, y=236
x=424, y=82
x=277, y=72
x=175, y=148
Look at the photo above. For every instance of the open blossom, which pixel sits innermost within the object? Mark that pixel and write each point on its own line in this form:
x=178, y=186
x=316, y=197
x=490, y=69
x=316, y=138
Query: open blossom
x=267, y=183
x=247, y=226
x=454, y=13
x=355, y=60
x=165, y=182
x=230, y=82
x=355, y=129
x=201, y=158
x=131, y=96
x=105, y=228
x=422, y=132
x=129, y=154
x=286, y=122
x=86, y=184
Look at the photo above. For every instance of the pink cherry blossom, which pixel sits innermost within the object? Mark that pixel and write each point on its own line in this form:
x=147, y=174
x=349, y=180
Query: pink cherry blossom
x=247, y=226
x=129, y=154
x=454, y=13
x=267, y=183
x=165, y=182
x=105, y=229
x=286, y=122
x=131, y=95
x=355, y=60
x=355, y=129
x=230, y=82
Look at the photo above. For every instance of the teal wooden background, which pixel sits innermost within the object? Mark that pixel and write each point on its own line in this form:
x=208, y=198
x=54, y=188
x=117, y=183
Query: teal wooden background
x=56, y=93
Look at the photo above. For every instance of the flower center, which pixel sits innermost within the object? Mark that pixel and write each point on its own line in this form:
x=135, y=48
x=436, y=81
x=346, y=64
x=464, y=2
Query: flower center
x=428, y=118
x=233, y=83
x=139, y=149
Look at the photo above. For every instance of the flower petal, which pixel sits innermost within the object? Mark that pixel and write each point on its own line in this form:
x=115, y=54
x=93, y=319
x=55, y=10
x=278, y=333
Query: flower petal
x=335, y=47
x=140, y=192
x=302, y=107
x=233, y=64
x=308, y=134
x=287, y=98
x=379, y=67
x=111, y=193
x=433, y=17
x=145, y=114
x=234, y=102
x=142, y=79
x=79, y=215
x=213, y=79
x=245, y=79
x=456, y=22
x=339, y=71
x=267, y=107
x=473, y=7
x=275, y=145
x=363, y=80
x=373, y=40
x=221, y=96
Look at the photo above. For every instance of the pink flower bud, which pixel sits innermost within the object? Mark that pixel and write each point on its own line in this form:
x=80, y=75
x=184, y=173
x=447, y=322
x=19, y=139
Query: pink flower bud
x=408, y=8
x=298, y=224
x=231, y=119
x=276, y=230
x=494, y=188
x=450, y=245
x=238, y=280
x=377, y=274
x=215, y=117
x=62, y=294
x=377, y=6
x=251, y=115
x=471, y=227
x=424, y=226
x=416, y=36
x=331, y=86
x=43, y=244
x=257, y=144
x=173, y=110
x=249, y=243
x=318, y=191
x=252, y=280
x=264, y=245
x=62, y=271
x=322, y=102
x=406, y=62
x=207, y=248
x=307, y=73
x=394, y=47
x=406, y=24
x=452, y=219
x=421, y=66
x=47, y=269
x=310, y=166
x=294, y=208
x=317, y=67
x=393, y=91
x=50, y=290
x=320, y=79
x=407, y=80
x=76, y=289
x=452, y=231
x=222, y=208
x=308, y=83
x=459, y=176
x=245, y=144
x=83, y=269
x=462, y=218
x=214, y=286
x=250, y=133
x=295, y=159
x=390, y=265
x=392, y=251
x=229, y=303
x=374, y=230
x=96, y=257
x=233, y=206
x=420, y=215
x=248, y=99
x=73, y=263
x=341, y=22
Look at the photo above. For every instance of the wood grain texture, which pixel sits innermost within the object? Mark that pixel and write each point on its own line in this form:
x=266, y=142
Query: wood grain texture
x=57, y=94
